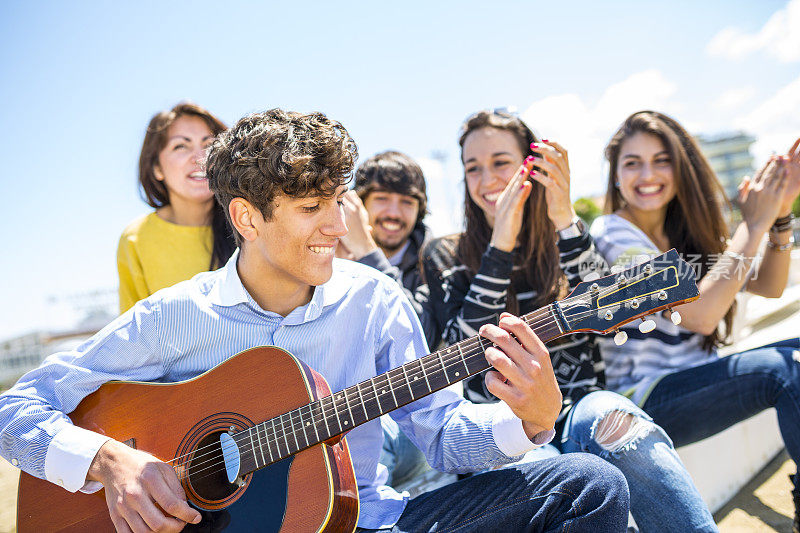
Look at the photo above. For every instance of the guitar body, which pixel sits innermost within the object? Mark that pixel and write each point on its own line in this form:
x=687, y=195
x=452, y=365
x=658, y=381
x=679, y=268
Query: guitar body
x=313, y=490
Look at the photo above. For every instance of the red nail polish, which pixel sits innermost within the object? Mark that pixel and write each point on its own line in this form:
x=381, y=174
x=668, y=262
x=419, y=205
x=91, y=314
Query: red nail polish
x=533, y=145
x=528, y=159
x=533, y=172
x=545, y=140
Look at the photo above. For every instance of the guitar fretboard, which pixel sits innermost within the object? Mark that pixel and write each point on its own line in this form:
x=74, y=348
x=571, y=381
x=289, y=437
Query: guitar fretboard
x=318, y=421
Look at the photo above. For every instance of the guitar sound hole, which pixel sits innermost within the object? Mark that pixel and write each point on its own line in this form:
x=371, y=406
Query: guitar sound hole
x=207, y=470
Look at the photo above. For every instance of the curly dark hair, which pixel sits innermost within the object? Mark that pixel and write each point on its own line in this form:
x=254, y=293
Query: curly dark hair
x=393, y=172
x=280, y=152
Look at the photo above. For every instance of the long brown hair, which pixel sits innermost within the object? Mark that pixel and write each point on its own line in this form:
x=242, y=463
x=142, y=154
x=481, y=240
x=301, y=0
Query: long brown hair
x=155, y=193
x=694, y=223
x=538, y=253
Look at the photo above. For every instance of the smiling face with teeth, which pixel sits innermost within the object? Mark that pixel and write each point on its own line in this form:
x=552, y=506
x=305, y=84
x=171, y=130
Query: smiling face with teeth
x=392, y=216
x=491, y=156
x=178, y=163
x=645, y=174
x=292, y=252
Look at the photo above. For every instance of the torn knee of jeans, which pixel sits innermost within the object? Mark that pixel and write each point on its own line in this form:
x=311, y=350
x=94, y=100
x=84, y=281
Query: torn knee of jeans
x=619, y=431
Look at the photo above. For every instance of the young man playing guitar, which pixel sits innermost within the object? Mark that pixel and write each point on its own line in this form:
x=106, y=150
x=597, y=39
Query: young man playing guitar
x=282, y=176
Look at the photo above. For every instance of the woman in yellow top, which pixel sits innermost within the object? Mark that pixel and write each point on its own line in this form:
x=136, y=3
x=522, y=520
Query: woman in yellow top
x=187, y=233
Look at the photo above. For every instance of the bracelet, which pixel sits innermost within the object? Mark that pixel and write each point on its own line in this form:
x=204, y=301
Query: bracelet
x=782, y=224
x=736, y=256
x=781, y=247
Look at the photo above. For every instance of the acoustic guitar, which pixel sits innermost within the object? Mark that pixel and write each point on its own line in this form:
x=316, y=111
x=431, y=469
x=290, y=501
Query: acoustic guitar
x=258, y=441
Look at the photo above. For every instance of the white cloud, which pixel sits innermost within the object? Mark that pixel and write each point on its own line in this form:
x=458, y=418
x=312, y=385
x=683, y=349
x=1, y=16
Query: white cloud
x=445, y=200
x=584, y=130
x=734, y=98
x=774, y=121
x=779, y=37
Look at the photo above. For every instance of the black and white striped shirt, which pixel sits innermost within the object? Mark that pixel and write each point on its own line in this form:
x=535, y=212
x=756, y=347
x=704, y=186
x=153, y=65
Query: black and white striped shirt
x=461, y=303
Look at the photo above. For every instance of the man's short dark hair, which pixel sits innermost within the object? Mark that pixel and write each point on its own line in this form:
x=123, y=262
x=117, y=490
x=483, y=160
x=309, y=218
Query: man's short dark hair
x=392, y=172
x=279, y=152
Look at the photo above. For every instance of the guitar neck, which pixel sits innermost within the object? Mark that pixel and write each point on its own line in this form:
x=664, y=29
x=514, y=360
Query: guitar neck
x=333, y=415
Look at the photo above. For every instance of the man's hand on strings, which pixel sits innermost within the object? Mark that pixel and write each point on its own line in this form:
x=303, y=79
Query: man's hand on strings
x=523, y=374
x=142, y=493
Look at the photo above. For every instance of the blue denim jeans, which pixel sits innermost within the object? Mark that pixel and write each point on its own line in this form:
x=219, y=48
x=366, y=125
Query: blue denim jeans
x=698, y=402
x=570, y=493
x=663, y=495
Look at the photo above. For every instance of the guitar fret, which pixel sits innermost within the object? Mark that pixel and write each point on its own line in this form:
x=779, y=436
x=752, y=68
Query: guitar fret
x=278, y=440
x=269, y=448
x=444, y=368
x=260, y=448
x=294, y=431
x=425, y=374
x=391, y=387
x=363, y=403
x=303, y=424
x=336, y=412
x=285, y=436
x=408, y=382
x=475, y=361
x=463, y=361
x=318, y=406
x=253, y=448
x=324, y=416
x=381, y=409
x=347, y=406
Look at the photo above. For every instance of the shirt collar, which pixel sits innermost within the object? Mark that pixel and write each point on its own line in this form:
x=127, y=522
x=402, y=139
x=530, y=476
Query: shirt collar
x=229, y=291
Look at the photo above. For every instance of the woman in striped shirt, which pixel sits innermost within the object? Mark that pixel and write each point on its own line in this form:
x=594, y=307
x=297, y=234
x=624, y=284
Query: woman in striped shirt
x=522, y=248
x=662, y=194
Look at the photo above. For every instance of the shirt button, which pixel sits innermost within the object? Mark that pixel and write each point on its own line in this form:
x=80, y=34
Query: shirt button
x=15, y=462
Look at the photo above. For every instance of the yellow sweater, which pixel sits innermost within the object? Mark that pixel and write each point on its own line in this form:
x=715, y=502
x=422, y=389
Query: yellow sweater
x=154, y=254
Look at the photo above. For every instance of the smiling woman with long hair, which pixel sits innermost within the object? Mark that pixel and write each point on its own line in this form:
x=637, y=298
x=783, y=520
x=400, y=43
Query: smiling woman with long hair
x=663, y=194
x=188, y=232
x=523, y=247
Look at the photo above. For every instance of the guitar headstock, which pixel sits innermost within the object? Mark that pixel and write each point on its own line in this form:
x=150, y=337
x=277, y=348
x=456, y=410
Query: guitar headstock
x=604, y=304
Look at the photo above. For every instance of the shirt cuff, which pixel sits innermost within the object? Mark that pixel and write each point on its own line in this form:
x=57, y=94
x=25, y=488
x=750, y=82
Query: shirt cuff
x=510, y=436
x=69, y=457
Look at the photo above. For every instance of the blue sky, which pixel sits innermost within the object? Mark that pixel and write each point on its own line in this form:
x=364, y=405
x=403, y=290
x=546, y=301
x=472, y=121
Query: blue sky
x=80, y=81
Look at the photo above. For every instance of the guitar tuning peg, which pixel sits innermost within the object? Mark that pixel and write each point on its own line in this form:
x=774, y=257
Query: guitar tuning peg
x=675, y=317
x=620, y=338
x=591, y=276
x=647, y=325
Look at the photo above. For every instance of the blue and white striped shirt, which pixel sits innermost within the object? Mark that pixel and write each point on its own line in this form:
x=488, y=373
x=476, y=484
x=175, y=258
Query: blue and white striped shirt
x=356, y=326
x=636, y=367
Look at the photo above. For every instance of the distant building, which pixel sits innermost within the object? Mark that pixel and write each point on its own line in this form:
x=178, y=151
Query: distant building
x=21, y=354
x=729, y=155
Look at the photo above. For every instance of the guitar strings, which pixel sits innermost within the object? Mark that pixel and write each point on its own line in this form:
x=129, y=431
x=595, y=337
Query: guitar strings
x=534, y=319
x=289, y=427
x=450, y=355
x=206, y=467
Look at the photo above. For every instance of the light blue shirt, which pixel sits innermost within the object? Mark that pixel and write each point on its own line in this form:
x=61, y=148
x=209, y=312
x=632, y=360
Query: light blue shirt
x=356, y=326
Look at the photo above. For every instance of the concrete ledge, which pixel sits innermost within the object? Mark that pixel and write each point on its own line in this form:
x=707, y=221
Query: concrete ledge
x=721, y=465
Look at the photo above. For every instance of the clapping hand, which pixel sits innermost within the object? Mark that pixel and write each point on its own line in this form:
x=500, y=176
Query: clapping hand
x=552, y=171
x=791, y=164
x=761, y=197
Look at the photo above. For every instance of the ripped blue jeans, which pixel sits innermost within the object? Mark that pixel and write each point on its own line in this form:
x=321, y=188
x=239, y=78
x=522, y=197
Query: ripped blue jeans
x=663, y=495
